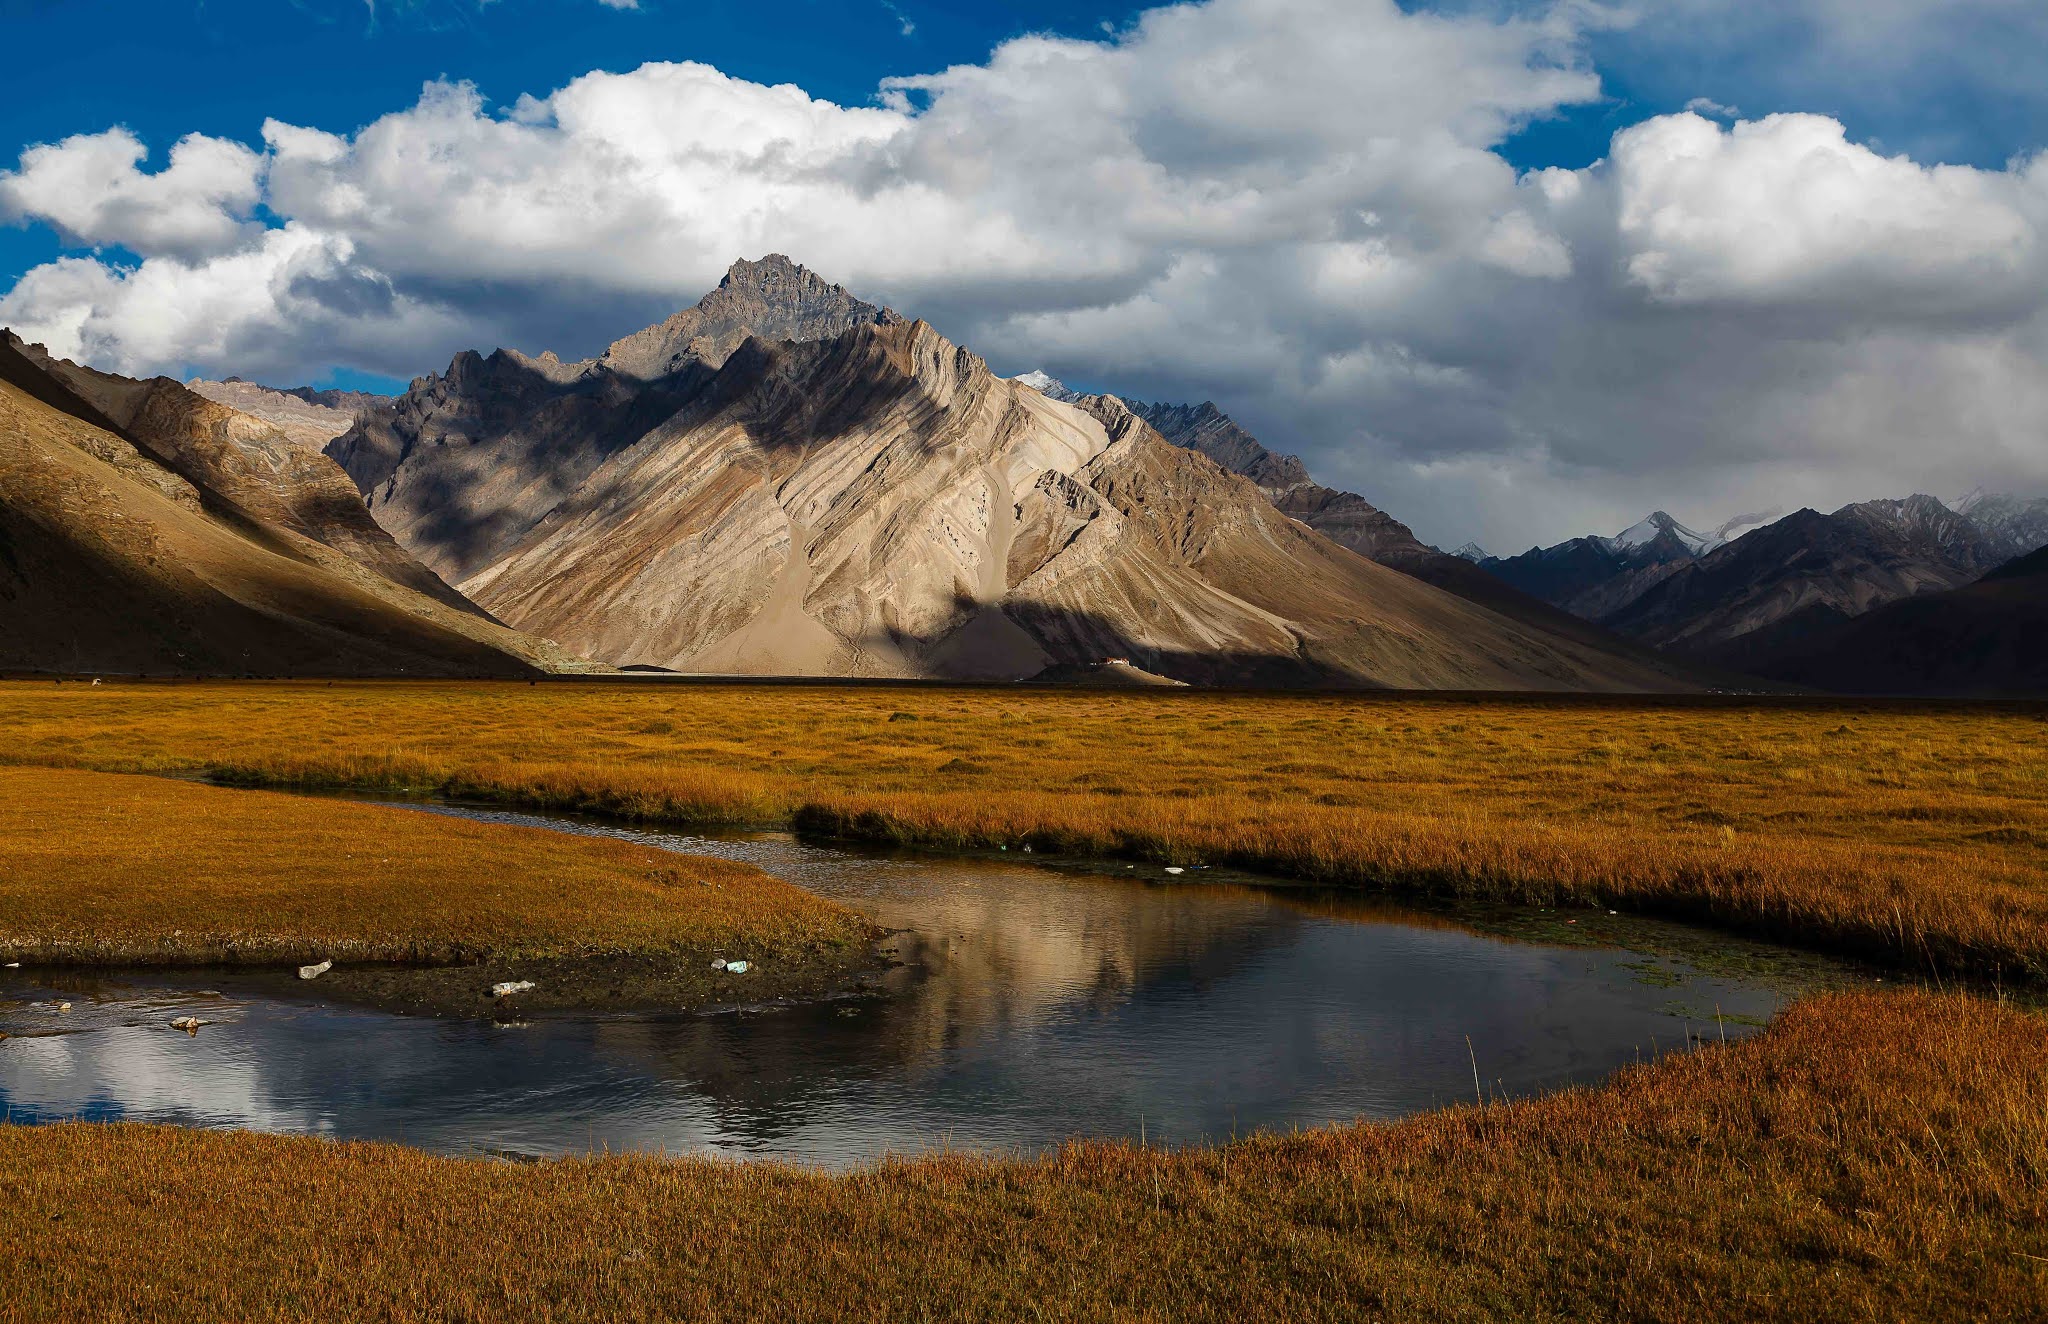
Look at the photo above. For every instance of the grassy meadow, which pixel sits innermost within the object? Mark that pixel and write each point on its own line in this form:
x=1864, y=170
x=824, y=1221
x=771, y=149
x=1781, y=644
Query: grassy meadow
x=1796, y=1175
x=114, y=870
x=1908, y=834
x=1867, y=1156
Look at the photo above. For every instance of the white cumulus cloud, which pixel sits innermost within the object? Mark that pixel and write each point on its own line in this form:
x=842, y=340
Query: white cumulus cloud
x=92, y=190
x=1295, y=207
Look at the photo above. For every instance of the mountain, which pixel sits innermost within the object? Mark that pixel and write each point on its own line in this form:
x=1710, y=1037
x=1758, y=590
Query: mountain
x=1988, y=639
x=848, y=493
x=306, y=417
x=246, y=463
x=1353, y=522
x=1596, y=577
x=1806, y=571
x=1050, y=387
x=144, y=529
x=1743, y=596
x=2014, y=525
x=1343, y=517
x=773, y=299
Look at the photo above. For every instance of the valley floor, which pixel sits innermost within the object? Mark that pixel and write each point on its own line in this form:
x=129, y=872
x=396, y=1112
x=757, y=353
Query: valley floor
x=1913, y=835
x=1868, y=1157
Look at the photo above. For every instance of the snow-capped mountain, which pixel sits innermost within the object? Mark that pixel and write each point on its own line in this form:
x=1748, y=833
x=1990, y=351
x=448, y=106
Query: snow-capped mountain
x=1645, y=533
x=2016, y=525
x=1052, y=388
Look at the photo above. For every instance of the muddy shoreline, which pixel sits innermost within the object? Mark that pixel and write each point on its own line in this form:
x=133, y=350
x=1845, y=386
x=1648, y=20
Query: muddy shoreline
x=634, y=982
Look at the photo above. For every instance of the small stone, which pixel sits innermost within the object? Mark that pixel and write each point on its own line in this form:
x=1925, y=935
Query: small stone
x=315, y=971
x=1170, y=869
x=718, y=964
x=189, y=1024
x=508, y=988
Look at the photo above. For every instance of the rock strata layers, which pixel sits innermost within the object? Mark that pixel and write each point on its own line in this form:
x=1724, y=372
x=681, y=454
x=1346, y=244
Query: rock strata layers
x=848, y=493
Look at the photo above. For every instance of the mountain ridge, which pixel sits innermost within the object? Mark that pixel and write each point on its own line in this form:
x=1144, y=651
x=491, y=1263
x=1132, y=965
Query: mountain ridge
x=864, y=497
x=134, y=539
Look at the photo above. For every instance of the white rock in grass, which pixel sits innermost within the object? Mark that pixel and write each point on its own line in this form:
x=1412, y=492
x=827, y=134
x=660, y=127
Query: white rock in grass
x=1173, y=870
x=718, y=964
x=510, y=987
x=315, y=971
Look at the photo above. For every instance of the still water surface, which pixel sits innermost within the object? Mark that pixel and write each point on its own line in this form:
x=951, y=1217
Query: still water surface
x=1032, y=1005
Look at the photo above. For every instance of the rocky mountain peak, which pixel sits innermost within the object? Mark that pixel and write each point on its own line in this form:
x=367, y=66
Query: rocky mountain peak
x=1921, y=519
x=773, y=298
x=2015, y=525
x=1049, y=386
x=1662, y=534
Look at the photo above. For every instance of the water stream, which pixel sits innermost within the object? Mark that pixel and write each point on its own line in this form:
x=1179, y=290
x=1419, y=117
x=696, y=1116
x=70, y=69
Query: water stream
x=1031, y=1005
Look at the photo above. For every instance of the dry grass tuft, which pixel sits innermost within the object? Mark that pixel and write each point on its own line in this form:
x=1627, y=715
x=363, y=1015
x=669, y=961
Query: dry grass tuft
x=1868, y=1157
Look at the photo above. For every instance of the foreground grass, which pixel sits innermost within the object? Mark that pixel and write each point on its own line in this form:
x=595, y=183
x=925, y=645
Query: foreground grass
x=1798, y=1175
x=107, y=869
x=1915, y=835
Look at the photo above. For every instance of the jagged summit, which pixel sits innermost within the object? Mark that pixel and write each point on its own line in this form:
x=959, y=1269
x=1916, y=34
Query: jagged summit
x=1659, y=525
x=774, y=298
x=2017, y=524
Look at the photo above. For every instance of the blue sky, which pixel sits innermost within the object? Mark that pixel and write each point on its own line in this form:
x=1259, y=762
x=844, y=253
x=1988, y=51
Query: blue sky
x=1807, y=267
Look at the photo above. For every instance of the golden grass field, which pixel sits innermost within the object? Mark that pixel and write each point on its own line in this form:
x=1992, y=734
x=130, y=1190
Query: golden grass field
x=1866, y=1157
x=1910, y=834
x=1870, y=1157
x=108, y=869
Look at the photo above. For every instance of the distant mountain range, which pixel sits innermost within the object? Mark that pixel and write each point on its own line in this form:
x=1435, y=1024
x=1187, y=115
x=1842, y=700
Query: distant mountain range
x=1741, y=597
x=788, y=479
x=1985, y=640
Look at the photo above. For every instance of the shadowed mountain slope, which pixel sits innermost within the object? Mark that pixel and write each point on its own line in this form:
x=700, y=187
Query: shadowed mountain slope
x=1805, y=571
x=245, y=463
x=872, y=500
x=1742, y=597
x=1988, y=639
x=112, y=560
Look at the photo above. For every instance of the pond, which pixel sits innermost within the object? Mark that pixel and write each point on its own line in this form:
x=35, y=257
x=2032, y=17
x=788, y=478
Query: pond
x=1031, y=1005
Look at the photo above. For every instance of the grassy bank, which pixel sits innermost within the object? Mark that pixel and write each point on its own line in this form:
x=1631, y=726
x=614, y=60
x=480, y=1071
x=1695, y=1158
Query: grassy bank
x=108, y=869
x=1799, y=1175
x=1915, y=835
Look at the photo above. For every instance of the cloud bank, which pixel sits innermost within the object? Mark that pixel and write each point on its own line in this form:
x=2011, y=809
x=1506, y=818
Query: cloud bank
x=1295, y=207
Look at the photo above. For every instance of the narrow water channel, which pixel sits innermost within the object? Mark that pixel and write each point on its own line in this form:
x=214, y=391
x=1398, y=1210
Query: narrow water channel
x=1031, y=1005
